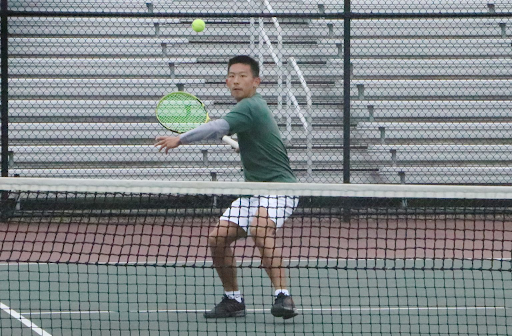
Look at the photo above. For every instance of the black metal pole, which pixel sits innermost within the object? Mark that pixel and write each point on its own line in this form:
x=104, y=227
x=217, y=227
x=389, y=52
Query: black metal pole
x=346, y=104
x=346, y=92
x=4, y=86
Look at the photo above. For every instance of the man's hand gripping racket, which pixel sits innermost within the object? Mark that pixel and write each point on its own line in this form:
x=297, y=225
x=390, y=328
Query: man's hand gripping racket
x=181, y=112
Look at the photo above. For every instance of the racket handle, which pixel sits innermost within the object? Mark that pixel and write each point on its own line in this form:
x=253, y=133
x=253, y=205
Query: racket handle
x=230, y=141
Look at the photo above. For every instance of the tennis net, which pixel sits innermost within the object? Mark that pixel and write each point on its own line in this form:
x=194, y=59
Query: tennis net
x=112, y=257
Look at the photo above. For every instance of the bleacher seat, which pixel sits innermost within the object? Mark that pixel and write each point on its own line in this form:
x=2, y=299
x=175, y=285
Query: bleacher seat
x=86, y=26
x=223, y=6
x=399, y=154
x=446, y=175
x=494, y=68
x=50, y=155
x=126, y=6
x=236, y=29
x=152, y=67
x=137, y=173
x=113, y=47
x=424, y=48
x=429, y=131
x=155, y=67
x=422, y=27
x=433, y=110
x=414, y=6
x=94, y=87
x=483, y=89
x=121, y=132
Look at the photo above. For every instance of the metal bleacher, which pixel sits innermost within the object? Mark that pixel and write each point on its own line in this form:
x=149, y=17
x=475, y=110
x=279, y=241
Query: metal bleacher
x=412, y=6
x=431, y=98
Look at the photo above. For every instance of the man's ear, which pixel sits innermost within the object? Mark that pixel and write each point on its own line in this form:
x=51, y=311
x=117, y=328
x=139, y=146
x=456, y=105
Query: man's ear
x=257, y=81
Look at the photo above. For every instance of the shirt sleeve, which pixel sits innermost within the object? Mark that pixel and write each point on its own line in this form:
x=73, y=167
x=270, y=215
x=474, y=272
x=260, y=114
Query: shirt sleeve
x=213, y=130
x=239, y=118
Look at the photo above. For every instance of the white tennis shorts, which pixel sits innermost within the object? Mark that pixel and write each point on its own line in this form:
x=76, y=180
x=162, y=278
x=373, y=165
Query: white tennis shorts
x=243, y=210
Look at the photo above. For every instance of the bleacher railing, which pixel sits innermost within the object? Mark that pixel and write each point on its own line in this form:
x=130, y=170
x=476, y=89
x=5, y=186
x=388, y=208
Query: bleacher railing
x=293, y=106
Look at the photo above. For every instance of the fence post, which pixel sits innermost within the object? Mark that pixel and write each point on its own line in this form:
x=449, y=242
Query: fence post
x=4, y=86
x=346, y=92
x=346, y=103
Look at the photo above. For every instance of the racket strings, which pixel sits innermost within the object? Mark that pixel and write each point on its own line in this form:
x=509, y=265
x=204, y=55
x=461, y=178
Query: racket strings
x=181, y=112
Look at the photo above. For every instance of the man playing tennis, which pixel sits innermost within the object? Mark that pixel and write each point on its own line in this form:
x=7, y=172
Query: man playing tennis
x=264, y=159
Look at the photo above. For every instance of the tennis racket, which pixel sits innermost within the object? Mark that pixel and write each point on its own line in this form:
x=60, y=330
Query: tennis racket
x=181, y=112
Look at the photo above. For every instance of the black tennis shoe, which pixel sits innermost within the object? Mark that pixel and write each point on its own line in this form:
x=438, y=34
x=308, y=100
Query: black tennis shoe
x=284, y=307
x=227, y=308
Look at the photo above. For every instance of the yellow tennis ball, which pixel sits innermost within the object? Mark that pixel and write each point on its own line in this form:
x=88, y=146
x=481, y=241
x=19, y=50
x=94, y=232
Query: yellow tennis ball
x=198, y=25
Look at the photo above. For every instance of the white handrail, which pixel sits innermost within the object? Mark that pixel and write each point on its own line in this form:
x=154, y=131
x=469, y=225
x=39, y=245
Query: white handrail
x=277, y=57
x=298, y=111
x=279, y=32
x=306, y=89
x=266, y=39
x=305, y=122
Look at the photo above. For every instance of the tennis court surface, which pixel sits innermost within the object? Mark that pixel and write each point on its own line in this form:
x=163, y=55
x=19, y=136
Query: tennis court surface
x=99, y=257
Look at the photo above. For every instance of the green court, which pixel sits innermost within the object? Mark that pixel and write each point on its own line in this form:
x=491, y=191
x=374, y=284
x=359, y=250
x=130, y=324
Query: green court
x=337, y=296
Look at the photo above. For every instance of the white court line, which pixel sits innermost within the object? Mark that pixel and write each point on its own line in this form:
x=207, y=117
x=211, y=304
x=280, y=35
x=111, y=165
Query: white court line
x=23, y=320
x=259, y=310
x=335, y=309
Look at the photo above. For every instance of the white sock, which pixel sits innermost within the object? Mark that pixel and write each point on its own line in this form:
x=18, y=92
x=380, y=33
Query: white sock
x=284, y=291
x=234, y=295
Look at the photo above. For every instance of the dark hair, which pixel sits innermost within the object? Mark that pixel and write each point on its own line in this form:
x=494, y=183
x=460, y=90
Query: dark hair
x=243, y=59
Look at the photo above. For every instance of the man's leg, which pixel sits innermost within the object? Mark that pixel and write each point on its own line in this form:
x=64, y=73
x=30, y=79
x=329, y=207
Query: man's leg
x=263, y=232
x=219, y=241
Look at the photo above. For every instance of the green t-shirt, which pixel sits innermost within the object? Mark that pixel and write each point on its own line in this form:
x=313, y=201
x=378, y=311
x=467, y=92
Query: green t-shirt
x=263, y=154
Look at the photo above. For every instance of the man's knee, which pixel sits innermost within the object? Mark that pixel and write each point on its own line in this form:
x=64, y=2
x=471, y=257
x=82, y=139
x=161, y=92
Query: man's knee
x=215, y=240
x=224, y=234
x=262, y=230
x=258, y=232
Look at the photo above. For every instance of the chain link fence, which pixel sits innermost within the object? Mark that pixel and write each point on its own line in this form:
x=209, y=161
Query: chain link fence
x=430, y=87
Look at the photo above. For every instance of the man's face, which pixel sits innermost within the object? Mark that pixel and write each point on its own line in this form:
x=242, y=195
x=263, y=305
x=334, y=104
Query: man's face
x=241, y=82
